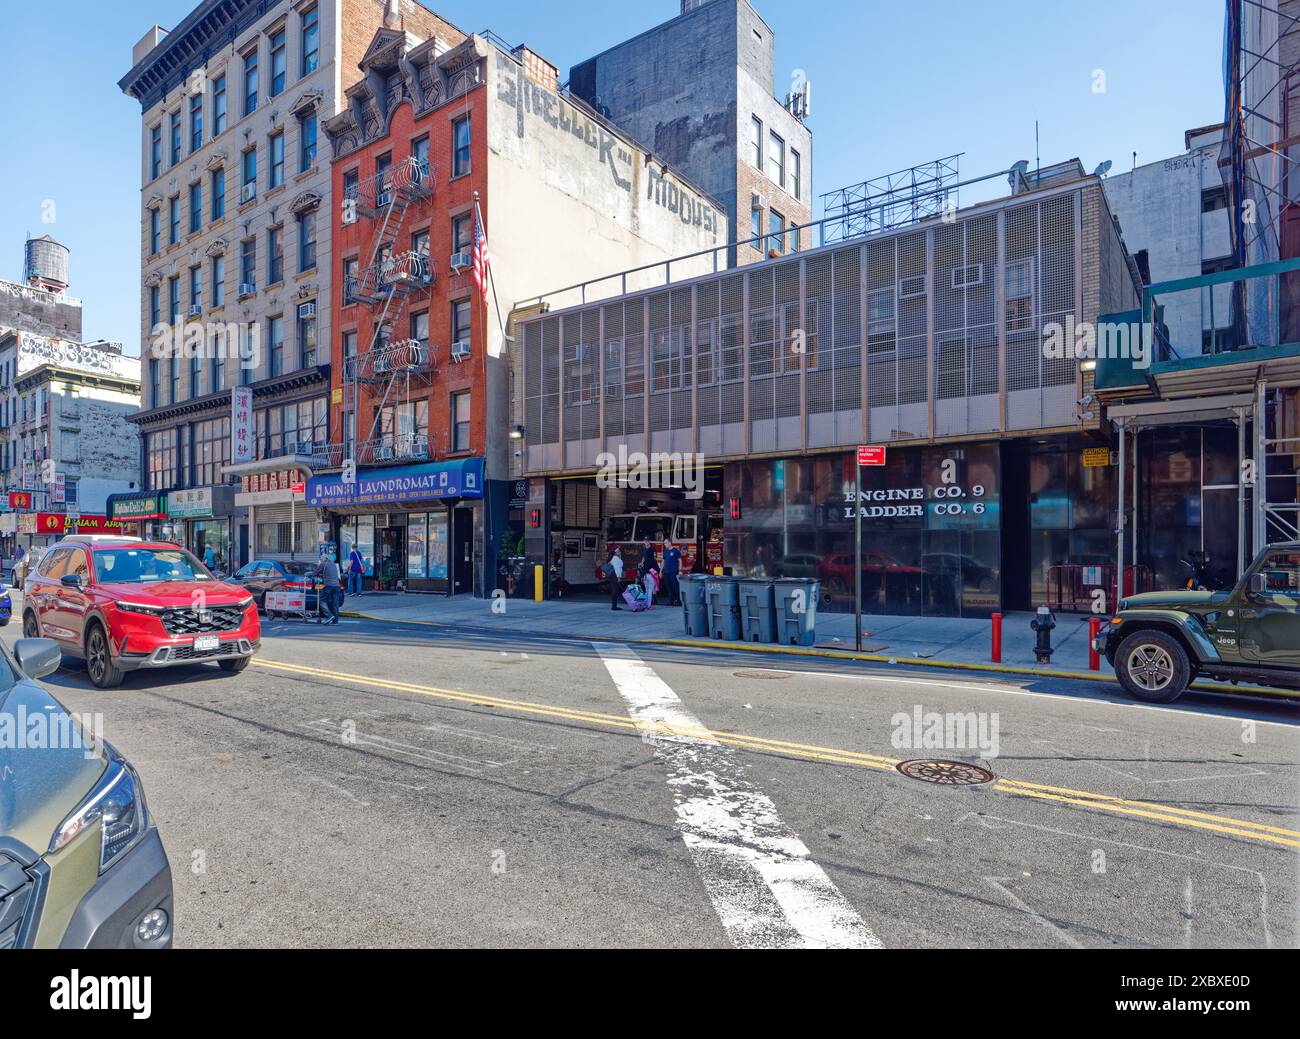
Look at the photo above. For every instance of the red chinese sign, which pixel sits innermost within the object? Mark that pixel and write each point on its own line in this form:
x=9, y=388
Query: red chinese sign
x=19, y=500
x=58, y=523
x=284, y=480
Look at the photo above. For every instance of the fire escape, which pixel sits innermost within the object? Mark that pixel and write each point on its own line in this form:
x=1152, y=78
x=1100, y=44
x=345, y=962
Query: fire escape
x=389, y=369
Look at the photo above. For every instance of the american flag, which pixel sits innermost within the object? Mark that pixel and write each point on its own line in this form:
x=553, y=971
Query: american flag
x=482, y=260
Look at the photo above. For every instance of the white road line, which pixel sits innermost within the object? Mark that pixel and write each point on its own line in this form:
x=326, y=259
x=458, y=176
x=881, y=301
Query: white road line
x=767, y=890
x=1038, y=918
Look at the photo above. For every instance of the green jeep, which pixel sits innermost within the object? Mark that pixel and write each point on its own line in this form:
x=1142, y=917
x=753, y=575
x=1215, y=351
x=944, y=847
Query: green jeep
x=1160, y=642
x=81, y=863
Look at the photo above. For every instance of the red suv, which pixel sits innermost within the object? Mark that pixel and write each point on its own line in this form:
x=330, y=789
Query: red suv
x=125, y=604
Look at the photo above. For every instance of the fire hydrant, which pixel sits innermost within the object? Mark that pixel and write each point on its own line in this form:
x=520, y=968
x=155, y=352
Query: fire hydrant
x=1043, y=624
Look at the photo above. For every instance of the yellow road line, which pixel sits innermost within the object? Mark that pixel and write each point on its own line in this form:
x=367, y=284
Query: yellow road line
x=1020, y=788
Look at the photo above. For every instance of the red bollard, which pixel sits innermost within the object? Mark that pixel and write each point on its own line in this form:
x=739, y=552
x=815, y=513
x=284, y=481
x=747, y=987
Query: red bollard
x=997, y=638
x=1094, y=631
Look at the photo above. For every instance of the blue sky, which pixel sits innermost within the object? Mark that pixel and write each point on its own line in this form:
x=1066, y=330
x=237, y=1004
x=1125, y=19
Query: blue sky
x=894, y=84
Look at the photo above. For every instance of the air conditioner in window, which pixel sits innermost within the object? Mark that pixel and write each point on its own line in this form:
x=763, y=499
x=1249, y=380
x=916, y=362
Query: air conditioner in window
x=307, y=310
x=461, y=262
x=460, y=351
x=349, y=214
x=383, y=199
x=247, y=193
x=758, y=202
x=196, y=309
x=384, y=453
x=247, y=288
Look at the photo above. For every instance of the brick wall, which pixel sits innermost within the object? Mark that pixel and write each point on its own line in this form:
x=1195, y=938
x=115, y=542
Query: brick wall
x=361, y=18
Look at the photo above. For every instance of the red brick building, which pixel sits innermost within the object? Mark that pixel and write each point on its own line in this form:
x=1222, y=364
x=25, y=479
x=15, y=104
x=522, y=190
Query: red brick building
x=422, y=399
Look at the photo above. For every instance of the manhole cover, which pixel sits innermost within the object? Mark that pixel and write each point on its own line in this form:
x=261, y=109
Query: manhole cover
x=946, y=773
x=770, y=676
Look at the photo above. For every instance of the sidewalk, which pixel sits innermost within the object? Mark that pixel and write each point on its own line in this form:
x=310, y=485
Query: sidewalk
x=916, y=640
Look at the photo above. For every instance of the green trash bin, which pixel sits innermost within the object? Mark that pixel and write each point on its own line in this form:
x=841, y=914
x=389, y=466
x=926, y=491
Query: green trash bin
x=757, y=610
x=796, y=611
x=695, y=605
x=724, y=607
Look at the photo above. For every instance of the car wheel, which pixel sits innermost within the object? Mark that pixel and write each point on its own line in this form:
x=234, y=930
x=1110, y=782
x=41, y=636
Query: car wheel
x=99, y=660
x=1153, y=667
x=234, y=665
x=31, y=628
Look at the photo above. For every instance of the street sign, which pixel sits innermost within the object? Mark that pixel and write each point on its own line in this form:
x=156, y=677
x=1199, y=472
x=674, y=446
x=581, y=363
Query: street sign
x=299, y=488
x=1096, y=458
x=874, y=457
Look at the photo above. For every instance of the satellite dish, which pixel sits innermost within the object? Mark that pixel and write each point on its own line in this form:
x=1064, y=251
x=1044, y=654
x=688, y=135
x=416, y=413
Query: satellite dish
x=1103, y=169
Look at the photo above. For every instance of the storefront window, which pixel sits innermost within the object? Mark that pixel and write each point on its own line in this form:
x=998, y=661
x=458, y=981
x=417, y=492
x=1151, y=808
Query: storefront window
x=438, y=554
x=210, y=541
x=416, y=534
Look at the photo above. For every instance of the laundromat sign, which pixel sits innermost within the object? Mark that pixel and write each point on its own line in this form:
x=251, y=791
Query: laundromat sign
x=432, y=482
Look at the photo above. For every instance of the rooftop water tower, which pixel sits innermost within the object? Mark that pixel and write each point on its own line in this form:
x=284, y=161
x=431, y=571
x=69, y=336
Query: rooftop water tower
x=45, y=264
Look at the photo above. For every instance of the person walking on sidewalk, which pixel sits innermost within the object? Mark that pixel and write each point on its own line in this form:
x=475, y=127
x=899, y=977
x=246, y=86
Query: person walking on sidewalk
x=672, y=568
x=614, y=573
x=356, y=571
x=648, y=571
x=328, y=571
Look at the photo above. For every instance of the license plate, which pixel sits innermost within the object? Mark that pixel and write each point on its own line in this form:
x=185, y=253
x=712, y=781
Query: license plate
x=204, y=643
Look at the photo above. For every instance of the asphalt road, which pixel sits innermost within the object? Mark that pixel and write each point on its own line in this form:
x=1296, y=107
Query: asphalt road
x=378, y=785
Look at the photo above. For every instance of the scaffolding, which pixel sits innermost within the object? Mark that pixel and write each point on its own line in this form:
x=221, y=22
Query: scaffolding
x=893, y=200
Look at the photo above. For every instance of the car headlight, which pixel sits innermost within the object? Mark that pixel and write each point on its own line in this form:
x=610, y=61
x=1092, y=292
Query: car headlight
x=139, y=607
x=117, y=802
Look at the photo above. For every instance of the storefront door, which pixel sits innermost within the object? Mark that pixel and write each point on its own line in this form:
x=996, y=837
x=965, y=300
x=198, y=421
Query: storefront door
x=392, y=556
x=462, y=551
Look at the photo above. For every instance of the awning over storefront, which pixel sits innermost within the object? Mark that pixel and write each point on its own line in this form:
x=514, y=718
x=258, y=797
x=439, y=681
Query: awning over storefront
x=433, y=481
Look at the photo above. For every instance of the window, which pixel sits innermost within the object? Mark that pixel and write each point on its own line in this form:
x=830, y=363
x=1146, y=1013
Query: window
x=756, y=227
x=757, y=143
x=176, y=138
x=155, y=384
x=247, y=265
x=306, y=340
x=248, y=359
x=460, y=411
x=174, y=220
x=1020, y=295
x=460, y=321
x=278, y=64
x=219, y=365
x=462, y=230
x=219, y=105
x=405, y=429
x=218, y=280
x=155, y=152
x=1214, y=199
x=250, y=175
x=310, y=41
x=460, y=138
x=420, y=328
x=196, y=287
x=776, y=160
x=174, y=300
x=420, y=153
x=796, y=174
x=275, y=337
x=155, y=307
x=776, y=232
x=306, y=241
x=277, y=160
x=160, y=458
x=351, y=267
x=196, y=207
x=307, y=143
x=250, y=82
x=420, y=243
x=349, y=345
x=196, y=122
x=155, y=220
x=218, y=194
x=211, y=441
x=275, y=256
x=174, y=376
x=352, y=185
x=196, y=376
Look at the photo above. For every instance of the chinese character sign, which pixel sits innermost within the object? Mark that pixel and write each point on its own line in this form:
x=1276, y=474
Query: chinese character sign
x=241, y=425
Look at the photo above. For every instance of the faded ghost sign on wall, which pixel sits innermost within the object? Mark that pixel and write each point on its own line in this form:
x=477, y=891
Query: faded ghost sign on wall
x=534, y=104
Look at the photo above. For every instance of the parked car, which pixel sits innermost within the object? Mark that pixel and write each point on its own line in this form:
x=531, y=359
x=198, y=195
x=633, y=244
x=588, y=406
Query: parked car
x=81, y=863
x=128, y=605
x=273, y=575
x=6, y=607
x=1160, y=642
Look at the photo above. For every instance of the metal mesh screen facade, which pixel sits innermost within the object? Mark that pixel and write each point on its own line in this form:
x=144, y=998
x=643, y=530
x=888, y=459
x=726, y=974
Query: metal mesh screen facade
x=937, y=330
